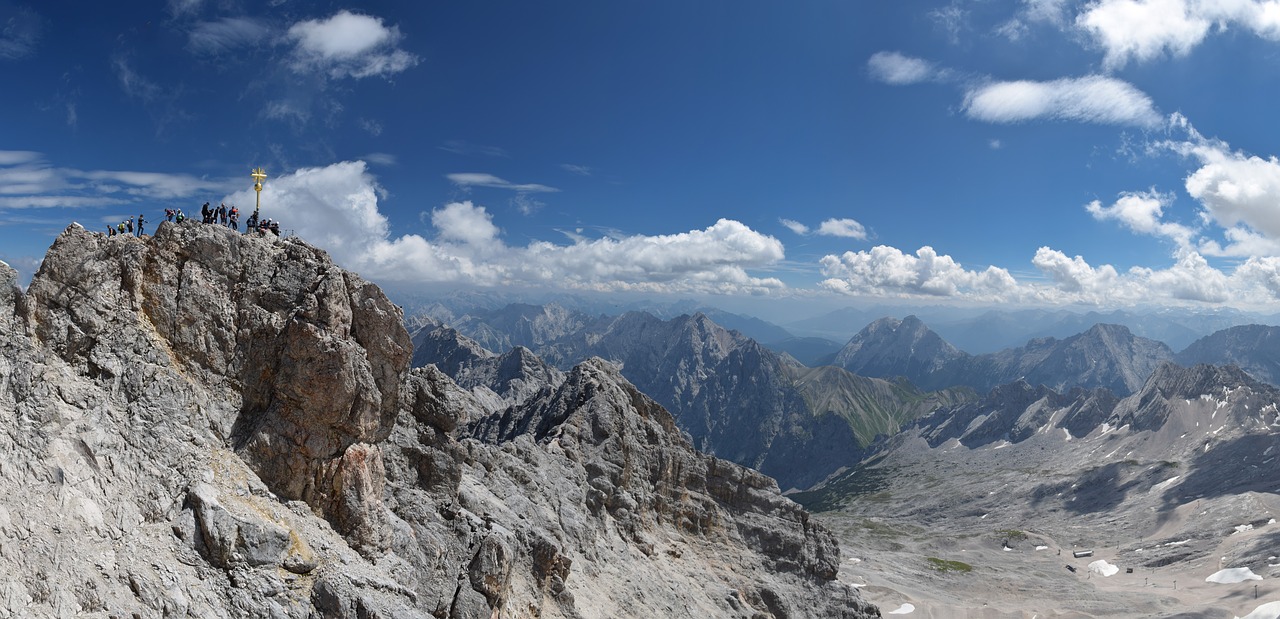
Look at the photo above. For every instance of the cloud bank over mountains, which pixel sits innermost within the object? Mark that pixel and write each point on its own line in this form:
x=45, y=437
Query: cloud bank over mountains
x=337, y=208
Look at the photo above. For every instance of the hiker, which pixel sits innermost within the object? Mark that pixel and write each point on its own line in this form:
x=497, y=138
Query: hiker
x=111, y=231
x=129, y=225
x=234, y=218
x=205, y=212
x=275, y=228
x=140, y=222
x=252, y=223
x=168, y=214
x=222, y=214
x=120, y=228
x=180, y=216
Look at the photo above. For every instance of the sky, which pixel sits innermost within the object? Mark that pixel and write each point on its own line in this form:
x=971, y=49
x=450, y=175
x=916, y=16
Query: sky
x=1108, y=153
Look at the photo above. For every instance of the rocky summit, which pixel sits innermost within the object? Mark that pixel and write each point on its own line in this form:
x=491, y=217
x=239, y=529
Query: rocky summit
x=207, y=424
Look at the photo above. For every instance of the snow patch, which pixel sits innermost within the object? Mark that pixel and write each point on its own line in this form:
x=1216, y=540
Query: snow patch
x=1042, y=547
x=1165, y=484
x=1066, y=434
x=1232, y=576
x=902, y=610
x=1102, y=568
x=1270, y=610
x=1242, y=528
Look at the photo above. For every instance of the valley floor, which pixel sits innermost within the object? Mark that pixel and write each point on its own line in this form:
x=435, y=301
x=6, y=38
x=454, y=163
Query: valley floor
x=1030, y=579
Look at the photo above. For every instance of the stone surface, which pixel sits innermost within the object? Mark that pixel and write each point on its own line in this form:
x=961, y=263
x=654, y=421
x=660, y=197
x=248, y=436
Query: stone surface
x=207, y=424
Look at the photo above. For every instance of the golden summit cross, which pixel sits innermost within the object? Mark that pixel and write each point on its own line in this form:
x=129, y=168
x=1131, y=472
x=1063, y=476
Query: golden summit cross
x=258, y=176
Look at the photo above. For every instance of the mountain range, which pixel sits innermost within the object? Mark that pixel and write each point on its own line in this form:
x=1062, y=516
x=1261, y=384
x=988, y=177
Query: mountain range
x=184, y=432
x=1104, y=356
x=733, y=397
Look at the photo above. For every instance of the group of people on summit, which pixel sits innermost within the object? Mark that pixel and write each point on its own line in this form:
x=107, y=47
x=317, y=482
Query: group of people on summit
x=126, y=226
x=220, y=215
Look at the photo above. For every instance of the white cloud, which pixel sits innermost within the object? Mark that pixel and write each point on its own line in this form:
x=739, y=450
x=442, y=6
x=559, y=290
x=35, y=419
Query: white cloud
x=890, y=273
x=1236, y=188
x=372, y=126
x=1075, y=277
x=795, y=226
x=132, y=83
x=580, y=170
x=226, y=35
x=1143, y=30
x=383, y=159
x=14, y=157
x=951, y=19
x=887, y=270
x=179, y=8
x=465, y=222
x=1092, y=99
x=479, y=179
x=25, y=202
x=349, y=45
x=336, y=207
x=155, y=185
x=20, y=32
x=28, y=182
x=847, y=228
x=462, y=147
x=1142, y=212
x=897, y=69
x=286, y=111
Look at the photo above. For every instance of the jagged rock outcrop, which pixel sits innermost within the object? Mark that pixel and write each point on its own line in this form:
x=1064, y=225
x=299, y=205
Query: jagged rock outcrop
x=210, y=424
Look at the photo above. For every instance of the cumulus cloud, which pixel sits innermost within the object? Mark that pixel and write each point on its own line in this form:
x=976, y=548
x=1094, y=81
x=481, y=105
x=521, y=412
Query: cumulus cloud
x=887, y=270
x=1236, y=188
x=1075, y=279
x=336, y=207
x=479, y=179
x=1142, y=212
x=465, y=222
x=897, y=69
x=1143, y=30
x=348, y=45
x=795, y=226
x=847, y=228
x=1092, y=99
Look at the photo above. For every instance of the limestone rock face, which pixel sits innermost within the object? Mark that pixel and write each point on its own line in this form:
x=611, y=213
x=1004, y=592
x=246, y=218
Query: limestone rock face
x=201, y=423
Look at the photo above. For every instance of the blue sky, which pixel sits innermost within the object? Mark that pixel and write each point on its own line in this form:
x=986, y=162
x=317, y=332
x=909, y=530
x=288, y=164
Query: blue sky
x=1034, y=152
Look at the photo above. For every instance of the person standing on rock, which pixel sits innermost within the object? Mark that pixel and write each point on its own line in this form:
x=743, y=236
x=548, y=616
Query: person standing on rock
x=130, y=225
x=140, y=222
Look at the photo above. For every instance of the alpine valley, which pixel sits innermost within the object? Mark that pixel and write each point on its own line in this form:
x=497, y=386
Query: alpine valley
x=1158, y=468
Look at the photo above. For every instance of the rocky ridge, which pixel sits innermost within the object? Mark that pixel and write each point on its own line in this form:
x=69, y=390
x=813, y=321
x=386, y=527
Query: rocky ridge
x=209, y=424
x=1104, y=356
x=734, y=397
